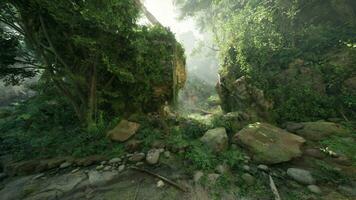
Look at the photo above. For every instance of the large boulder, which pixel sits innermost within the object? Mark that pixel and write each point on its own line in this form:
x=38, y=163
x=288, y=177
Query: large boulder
x=269, y=144
x=123, y=131
x=216, y=139
x=319, y=130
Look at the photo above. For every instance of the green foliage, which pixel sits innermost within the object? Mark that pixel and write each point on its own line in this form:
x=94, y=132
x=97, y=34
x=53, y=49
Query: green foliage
x=201, y=157
x=261, y=40
x=94, y=53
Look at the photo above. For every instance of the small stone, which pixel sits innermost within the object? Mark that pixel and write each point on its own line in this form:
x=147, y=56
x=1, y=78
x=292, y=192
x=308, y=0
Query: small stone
x=161, y=150
x=248, y=178
x=300, y=175
x=136, y=157
x=160, y=184
x=65, y=165
x=197, y=176
x=114, y=160
x=263, y=167
x=139, y=163
x=247, y=158
x=121, y=168
x=222, y=169
x=38, y=176
x=75, y=170
x=107, y=168
x=152, y=156
x=167, y=154
x=212, y=178
x=246, y=168
x=314, y=189
x=103, y=162
x=99, y=167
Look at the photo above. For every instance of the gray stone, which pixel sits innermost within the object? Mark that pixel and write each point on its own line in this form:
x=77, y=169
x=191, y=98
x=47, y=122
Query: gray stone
x=216, y=139
x=167, y=154
x=107, y=168
x=314, y=189
x=114, y=160
x=246, y=168
x=222, y=169
x=101, y=178
x=248, y=178
x=65, y=165
x=121, y=168
x=160, y=184
x=136, y=157
x=300, y=175
x=152, y=157
x=263, y=167
x=212, y=178
x=197, y=176
x=99, y=167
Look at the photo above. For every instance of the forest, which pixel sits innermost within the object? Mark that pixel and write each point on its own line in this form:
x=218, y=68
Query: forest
x=178, y=99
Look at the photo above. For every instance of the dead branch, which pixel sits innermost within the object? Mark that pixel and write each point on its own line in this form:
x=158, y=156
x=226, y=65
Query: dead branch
x=274, y=188
x=160, y=177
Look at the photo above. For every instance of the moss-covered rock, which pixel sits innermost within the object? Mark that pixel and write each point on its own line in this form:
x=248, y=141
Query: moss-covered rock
x=269, y=144
x=320, y=130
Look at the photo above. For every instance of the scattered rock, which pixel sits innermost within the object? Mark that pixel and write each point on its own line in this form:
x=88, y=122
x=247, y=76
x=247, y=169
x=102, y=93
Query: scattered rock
x=320, y=130
x=123, y=131
x=315, y=153
x=197, y=176
x=216, y=139
x=167, y=154
x=246, y=168
x=222, y=169
x=263, y=167
x=314, y=189
x=99, y=167
x=136, y=157
x=121, y=168
x=55, y=162
x=269, y=144
x=104, y=162
x=65, y=165
x=293, y=127
x=212, y=178
x=139, y=163
x=107, y=168
x=160, y=184
x=133, y=145
x=347, y=191
x=114, y=160
x=300, y=175
x=75, y=170
x=153, y=156
x=38, y=176
x=97, y=178
x=90, y=160
x=248, y=178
